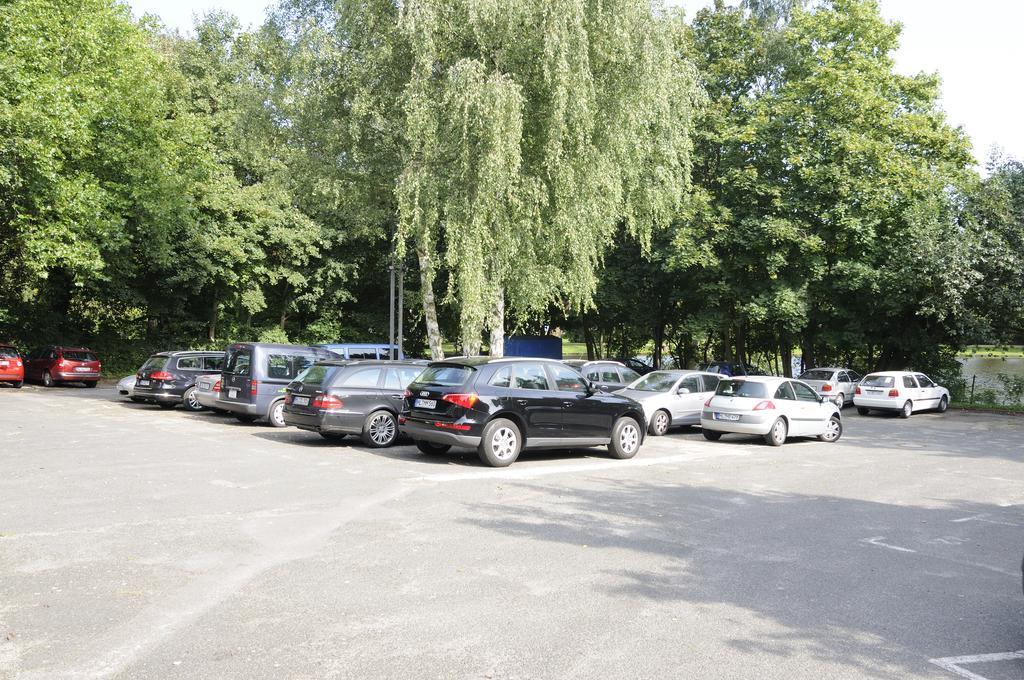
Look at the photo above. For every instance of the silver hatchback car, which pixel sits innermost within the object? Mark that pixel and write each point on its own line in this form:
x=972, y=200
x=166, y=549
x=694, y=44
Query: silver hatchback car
x=836, y=384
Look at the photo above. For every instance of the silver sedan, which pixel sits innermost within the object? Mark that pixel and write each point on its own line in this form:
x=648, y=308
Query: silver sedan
x=671, y=398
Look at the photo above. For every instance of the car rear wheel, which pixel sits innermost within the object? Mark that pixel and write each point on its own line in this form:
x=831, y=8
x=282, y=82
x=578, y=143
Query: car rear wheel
x=380, y=429
x=625, y=438
x=840, y=400
x=190, y=400
x=907, y=409
x=90, y=383
x=276, y=414
x=943, y=403
x=47, y=379
x=500, y=444
x=777, y=435
x=711, y=435
x=659, y=423
x=432, y=449
x=18, y=384
x=863, y=411
x=833, y=430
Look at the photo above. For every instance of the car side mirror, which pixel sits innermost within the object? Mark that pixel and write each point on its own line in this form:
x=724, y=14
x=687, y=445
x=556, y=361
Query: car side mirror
x=683, y=390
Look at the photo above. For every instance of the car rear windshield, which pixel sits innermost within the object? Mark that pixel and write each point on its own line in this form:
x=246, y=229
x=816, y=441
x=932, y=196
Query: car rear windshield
x=878, y=381
x=238, y=361
x=741, y=388
x=155, y=364
x=655, y=382
x=8, y=353
x=444, y=376
x=817, y=374
x=79, y=356
x=316, y=374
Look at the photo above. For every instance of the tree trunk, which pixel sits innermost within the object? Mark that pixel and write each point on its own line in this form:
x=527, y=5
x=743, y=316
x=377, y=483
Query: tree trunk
x=429, y=306
x=211, y=326
x=588, y=337
x=497, y=324
x=659, y=340
x=787, y=359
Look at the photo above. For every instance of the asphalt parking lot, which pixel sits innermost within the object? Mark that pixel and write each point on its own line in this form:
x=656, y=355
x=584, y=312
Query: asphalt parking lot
x=139, y=543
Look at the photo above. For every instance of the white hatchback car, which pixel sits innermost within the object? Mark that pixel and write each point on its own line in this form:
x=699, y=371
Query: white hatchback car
x=775, y=408
x=901, y=391
x=836, y=384
x=671, y=398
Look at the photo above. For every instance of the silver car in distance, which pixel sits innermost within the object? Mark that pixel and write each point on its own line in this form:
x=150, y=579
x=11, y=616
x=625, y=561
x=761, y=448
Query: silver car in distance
x=836, y=384
x=775, y=408
x=671, y=398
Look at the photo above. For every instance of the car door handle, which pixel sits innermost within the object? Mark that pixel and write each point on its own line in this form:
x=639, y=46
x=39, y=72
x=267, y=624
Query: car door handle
x=522, y=402
x=566, y=402
x=398, y=396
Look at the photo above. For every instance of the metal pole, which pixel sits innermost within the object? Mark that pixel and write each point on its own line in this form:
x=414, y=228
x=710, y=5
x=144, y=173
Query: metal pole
x=391, y=313
x=974, y=378
x=401, y=308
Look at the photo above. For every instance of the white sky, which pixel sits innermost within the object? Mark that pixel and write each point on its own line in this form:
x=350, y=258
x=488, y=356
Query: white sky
x=974, y=46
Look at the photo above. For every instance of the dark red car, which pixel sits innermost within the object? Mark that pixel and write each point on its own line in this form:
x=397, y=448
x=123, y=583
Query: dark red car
x=12, y=369
x=52, y=365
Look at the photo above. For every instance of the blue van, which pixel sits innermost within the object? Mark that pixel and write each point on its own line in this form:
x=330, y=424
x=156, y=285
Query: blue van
x=351, y=350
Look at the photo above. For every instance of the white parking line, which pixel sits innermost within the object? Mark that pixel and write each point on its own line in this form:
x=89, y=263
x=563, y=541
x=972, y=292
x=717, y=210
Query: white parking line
x=953, y=663
x=877, y=540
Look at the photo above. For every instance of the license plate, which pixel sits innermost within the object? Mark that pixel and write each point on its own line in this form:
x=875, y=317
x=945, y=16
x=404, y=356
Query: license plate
x=83, y=369
x=425, y=403
x=204, y=385
x=300, y=401
x=143, y=383
x=727, y=416
x=232, y=394
x=875, y=391
x=4, y=364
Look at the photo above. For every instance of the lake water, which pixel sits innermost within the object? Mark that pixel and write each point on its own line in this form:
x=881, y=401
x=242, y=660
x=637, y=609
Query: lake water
x=986, y=369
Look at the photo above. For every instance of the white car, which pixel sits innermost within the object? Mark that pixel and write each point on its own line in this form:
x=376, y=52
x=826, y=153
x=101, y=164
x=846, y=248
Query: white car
x=126, y=386
x=671, y=398
x=208, y=390
x=836, y=384
x=775, y=408
x=902, y=391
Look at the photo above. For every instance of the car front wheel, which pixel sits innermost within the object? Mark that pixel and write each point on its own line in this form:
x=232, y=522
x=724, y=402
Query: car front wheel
x=625, y=438
x=276, y=416
x=47, y=379
x=777, y=435
x=833, y=430
x=500, y=444
x=943, y=404
x=380, y=429
x=659, y=424
x=18, y=384
x=191, y=401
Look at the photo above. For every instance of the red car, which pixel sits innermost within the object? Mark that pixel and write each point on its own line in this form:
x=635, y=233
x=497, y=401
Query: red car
x=12, y=369
x=52, y=365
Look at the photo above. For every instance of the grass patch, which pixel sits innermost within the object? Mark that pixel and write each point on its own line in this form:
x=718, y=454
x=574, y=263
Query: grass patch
x=995, y=351
x=983, y=406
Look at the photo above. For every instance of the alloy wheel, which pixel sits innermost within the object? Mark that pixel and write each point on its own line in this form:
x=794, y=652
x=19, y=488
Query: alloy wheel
x=382, y=429
x=193, y=400
x=629, y=438
x=504, y=443
x=660, y=422
x=832, y=430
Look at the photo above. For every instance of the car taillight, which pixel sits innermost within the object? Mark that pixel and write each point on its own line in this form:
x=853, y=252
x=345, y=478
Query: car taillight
x=894, y=392
x=327, y=401
x=451, y=426
x=463, y=400
x=216, y=386
x=17, y=363
x=254, y=387
x=708, y=402
x=856, y=390
x=161, y=375
x=408, y=393
x=764, y=406
x=826, y=388
x=288, y=398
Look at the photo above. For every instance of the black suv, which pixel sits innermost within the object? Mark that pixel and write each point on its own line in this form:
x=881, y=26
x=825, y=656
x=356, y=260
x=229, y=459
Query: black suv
x=501, y=406
x=169, y=378
x=339, y=397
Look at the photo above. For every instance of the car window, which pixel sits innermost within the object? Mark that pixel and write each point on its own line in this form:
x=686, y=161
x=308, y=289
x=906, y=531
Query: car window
x=316, y=374
x=8, y=353
x=816, y=374
x=568, y=380
x=804, y=393
x=843, y=377
x=190, y=363
x=239, y=361
x=362, y=377
x=691, y=383
x=593, y=375
x=628, y=375
x=609, y=375
x=155, y=364
x=278, y=367
x=924, y=381
x=502, y=377
x=658, y=381
x=785, y=392
x=854, y=376
x=213, y=363
x=444, y=376
x=710, y=382
x=878, y=381
x=908, y=381
x=362, y=354
x=80, y=356
x=741, y=388
x=399, y=378
x=531, y=377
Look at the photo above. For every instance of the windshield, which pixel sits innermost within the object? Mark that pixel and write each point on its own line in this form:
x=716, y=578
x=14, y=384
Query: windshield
x=8, y=353
x=741, y=388
x=816, y=374
x=659, y=381
x=155, y=364
x=444, y=376
x=79, y=356
x=316, y=374
x=878, y=381
x=238, y=361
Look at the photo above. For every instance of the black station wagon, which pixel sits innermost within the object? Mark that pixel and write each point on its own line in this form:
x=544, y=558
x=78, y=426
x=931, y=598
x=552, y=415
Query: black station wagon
x=501, y=406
